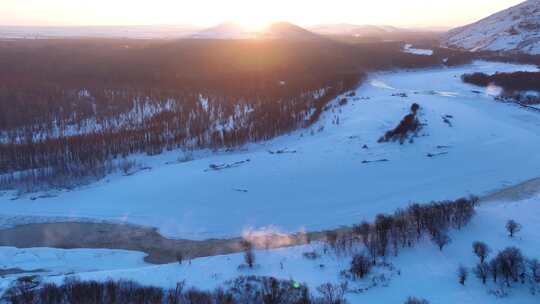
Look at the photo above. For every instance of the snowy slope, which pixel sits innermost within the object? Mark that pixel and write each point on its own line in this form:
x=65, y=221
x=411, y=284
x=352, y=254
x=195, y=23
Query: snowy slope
x=514, y=29
x=325, y=183
x=423, y=271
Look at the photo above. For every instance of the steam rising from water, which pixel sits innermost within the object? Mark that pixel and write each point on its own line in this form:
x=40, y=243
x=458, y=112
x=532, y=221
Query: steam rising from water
x=493, y=90
x=272, y=237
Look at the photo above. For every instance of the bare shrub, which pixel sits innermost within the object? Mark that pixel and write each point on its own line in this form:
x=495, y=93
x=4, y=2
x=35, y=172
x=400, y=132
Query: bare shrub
x=332, y=294
x=249, y=255
x=360, y=266
x=463, y=274
x=413, y=300
x=512, y=227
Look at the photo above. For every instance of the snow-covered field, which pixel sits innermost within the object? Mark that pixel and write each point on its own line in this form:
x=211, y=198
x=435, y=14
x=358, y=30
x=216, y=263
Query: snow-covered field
x=326, y=183
x=423, y=271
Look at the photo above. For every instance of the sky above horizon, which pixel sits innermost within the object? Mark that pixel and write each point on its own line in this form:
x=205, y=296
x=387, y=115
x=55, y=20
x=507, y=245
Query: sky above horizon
x=249, y=12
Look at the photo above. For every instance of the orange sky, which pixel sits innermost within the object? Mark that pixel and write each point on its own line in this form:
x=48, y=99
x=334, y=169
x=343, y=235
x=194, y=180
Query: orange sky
x=250, y=12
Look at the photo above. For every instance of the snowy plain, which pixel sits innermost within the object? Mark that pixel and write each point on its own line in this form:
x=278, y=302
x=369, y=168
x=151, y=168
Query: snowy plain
x=423, y=271
x=326, y=182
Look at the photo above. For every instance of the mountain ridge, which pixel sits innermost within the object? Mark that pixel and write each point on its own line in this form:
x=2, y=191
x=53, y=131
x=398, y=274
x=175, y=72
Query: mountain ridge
x=516, y=29
x=275, y=30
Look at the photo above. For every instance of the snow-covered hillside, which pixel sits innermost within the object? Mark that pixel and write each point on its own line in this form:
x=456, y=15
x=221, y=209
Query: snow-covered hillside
x=423, y=271
x=514, y=29
x=329, y=175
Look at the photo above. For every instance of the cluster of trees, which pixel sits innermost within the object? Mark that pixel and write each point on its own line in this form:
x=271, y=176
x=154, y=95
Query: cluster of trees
x=517, y=81
x=403, y=229
x=250, y=289
x=508, y=266
x=407, y=128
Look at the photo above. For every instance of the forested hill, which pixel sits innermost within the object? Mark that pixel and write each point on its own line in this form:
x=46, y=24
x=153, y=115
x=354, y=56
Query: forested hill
x=69, y=107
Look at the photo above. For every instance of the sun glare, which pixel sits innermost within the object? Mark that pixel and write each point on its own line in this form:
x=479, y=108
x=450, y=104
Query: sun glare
x=253, y=23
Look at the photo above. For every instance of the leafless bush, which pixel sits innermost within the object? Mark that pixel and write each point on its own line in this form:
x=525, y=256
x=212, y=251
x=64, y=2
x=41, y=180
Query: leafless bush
x=413, y=300
x=442, y=239
x=249, y=255
x=512, y=227
x=332, y=294
x=360, y=266
x=463, y=274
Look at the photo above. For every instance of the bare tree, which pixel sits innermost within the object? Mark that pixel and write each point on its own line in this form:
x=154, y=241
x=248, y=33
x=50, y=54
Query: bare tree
x=494, y=269
x=510, y=263
x=442, y=239
x=512, y=227
x=333, y=294
x=249, y=256
x=481, y=250
x=363, y=231
x=534, y=266
x=463, y=273
x=481, y=271
x=331, y=238
x=360, y=265
x=180, y=257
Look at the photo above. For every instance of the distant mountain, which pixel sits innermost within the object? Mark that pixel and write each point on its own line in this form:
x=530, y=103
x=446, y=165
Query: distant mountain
x=353, y=30
x=286, y=30
x=135, y=31
x=516, y=29
x=278, y=30
x=227, y=30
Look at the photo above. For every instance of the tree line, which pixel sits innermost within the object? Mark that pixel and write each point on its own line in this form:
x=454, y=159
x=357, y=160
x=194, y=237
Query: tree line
x=510, y=82
x=242, y=290
x=389, y=233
